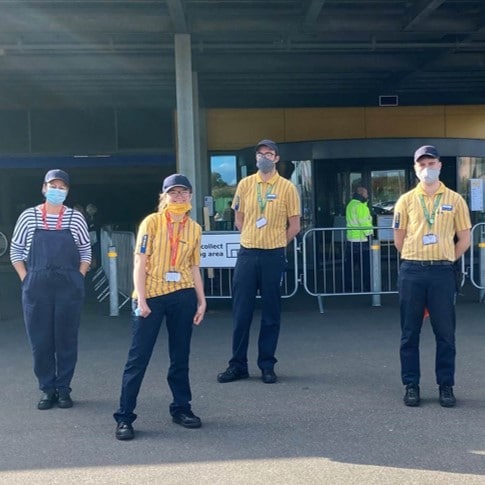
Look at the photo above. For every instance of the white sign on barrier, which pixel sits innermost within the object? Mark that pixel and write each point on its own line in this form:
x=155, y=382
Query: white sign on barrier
x=386, y=234
x=219, y=249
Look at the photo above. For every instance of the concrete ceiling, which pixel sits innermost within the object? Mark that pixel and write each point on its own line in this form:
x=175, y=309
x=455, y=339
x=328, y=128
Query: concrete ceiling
x=247, y=53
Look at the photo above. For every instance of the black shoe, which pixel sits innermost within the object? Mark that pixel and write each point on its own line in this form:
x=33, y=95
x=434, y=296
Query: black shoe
x=187, y=419
x=268, y=376
x=231, y=374
x=47, y=400
x=411, y=398
x=64, y=400
x=124, y=431
x=447, y=398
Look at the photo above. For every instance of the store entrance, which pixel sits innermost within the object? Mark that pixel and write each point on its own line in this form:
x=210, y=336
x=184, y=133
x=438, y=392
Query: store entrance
x=385, y=180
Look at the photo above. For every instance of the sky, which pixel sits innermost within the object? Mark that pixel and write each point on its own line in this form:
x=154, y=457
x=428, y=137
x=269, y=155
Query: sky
x=226, y=166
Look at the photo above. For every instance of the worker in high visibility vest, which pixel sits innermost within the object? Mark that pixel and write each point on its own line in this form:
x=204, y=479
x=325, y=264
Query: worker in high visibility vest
x=357, y=252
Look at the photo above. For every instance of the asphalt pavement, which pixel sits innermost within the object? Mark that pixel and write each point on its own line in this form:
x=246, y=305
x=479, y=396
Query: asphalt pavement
x=335, y=416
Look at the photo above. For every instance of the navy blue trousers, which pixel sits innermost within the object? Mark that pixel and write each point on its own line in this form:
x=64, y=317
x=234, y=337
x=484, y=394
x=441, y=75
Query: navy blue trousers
x=52, y=303
x=257, y=269
x=178, y=308
x=434, y=287
x=357, y=266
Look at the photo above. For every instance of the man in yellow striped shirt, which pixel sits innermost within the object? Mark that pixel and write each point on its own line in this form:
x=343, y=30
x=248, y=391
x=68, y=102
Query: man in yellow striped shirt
x=427, y=222
x=267, y=212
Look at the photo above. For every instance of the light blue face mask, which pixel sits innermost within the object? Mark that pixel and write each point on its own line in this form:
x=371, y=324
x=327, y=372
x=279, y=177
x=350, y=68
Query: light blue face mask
x=55, y=196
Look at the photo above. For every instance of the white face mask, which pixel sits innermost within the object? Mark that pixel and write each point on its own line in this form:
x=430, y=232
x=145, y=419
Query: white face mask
x=428, y=175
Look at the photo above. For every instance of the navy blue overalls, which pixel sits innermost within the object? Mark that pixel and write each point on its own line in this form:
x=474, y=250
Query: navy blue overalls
x=52, y=298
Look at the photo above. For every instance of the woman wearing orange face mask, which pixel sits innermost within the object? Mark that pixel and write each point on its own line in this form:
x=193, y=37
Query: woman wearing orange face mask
x=167, y=286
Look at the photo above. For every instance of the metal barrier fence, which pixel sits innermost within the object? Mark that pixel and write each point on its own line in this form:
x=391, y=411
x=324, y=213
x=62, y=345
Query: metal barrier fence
x=477, y=258
x=331, y=266
x=218, y=281
x=117, y=248
x=334, y=267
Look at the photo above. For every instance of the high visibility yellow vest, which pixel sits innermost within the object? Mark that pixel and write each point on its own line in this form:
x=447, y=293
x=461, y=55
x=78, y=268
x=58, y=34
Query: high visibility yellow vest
x=357, y=215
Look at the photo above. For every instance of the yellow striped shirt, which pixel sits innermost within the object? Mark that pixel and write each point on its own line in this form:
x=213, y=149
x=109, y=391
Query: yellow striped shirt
x=279, y=200
x=452, y=215
x=153, y=240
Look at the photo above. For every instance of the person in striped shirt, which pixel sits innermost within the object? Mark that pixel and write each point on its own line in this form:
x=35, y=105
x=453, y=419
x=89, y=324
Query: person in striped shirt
x=431, y=231
x=167, y=284
x=51, y=253
x=267, y=212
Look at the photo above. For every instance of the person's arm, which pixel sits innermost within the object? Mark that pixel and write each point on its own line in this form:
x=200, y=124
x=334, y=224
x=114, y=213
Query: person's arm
x=399, y=235
x=462, y=243
x=293, y=228
x=84, y=267
x=139, y=279
x=199, y=291
x=20, y=268
x=239, y=220
x=83, y=241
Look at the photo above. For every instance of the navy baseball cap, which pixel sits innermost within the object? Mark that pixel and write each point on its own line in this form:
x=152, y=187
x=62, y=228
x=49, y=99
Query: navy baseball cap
x=426, y=151
x=268, y=143
x=176, y=180
x=56, y=174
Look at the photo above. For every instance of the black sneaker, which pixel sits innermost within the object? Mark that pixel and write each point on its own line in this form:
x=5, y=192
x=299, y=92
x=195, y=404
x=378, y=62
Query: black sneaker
x=411, y=398
x=231, y=374
x=187, y=419
x=124, y=431
x=268, y=376
x=447, y=398
x=64, y=400
x=47, y=400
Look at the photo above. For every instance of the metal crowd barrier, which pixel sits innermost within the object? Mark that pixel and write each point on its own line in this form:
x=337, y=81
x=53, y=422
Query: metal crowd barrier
x=331, y=268
x=218, y=281
x=477, y=258
x=117, y=248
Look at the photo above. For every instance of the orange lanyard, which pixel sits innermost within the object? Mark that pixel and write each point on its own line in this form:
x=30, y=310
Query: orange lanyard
x=174, y=240
x=59, y=218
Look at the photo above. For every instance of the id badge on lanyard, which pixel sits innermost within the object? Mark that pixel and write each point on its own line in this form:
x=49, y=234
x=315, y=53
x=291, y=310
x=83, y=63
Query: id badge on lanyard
x=174, y=240
x=430, y=237
x=262, y=221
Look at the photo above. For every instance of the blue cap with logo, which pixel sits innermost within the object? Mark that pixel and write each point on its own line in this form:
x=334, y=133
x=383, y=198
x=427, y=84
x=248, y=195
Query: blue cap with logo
x=268, y=143
x=56, y=174
x=176, y=180
x=426, y=151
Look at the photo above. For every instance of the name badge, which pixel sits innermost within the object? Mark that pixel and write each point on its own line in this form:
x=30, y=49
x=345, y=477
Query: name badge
x=430, y=239
x=445, y=207
x=261, y=222
x=271, y=196
x=172, y=276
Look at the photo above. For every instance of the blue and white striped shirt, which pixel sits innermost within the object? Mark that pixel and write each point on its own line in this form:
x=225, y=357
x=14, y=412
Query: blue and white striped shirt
x=31, y=219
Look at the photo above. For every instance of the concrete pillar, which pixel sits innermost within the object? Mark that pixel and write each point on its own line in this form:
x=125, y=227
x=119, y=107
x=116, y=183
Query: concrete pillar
x=186, y=116
x=202, y=170
x=204, y=162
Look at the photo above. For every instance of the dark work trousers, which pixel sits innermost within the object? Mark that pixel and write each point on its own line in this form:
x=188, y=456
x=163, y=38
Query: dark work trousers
x=52, y=298
x=178, y=308
x=357, y=266
x=257, y=269
x=433, y=286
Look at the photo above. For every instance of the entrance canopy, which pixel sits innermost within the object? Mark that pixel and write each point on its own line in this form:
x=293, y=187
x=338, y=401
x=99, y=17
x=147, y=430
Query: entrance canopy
x=269, y=53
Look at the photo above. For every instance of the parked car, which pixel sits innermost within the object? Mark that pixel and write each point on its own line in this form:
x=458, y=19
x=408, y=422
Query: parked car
x=384, y=208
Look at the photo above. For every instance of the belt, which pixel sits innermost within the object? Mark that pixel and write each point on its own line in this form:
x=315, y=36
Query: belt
x=428, y=262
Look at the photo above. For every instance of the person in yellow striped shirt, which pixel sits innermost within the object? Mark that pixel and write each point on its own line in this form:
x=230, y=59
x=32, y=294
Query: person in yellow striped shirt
x=267, y=212
x=167, y=284
x=431, y=231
